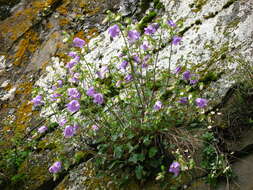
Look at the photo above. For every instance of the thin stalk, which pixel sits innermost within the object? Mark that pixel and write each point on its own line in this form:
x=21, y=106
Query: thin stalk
x=132, y=69
x=167, y=83
x=156, y=60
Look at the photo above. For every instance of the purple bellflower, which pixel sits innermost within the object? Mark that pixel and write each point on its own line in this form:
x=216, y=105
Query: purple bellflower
x=171, y=23
x=42, y=129
x=186, y=75
x=151, y=29
x=176, y=40
x=69, y=131
x=73, y=106
x=158, y=105
x=74, y=93
x=78, y=42
x=175, y=168
x=201, y=102
x=98, y=98
x=183, y=100
x=91, y=92
x=114, y=31
x=128, y=78
x=101, y=74
x=55, y=168
x=133, y=35
x=37, y=100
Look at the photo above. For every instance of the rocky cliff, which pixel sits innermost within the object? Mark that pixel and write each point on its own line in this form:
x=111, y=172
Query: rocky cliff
x=217, y=36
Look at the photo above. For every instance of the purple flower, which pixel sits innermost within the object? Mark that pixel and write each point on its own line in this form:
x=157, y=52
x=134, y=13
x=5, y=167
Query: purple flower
x=123, y=65
x=114, y=31
x=98, y=98
x=72, y=54
x=76, y=127
x=118, y=83
x=133, y=35
x=62, y=122
x=128, y=78
x=145, y=46
x=136, y=58
x=194, y=81
x=151, y=29
x=78, y=42
x=176, y=40
x=101, y=74
x=69, y=131
x=75, y=77
x=183, y=100
x=71, y=64
x=55, y=168
x=37, y=100
x=147, y=57
x=175, y=168
x=186, y=75
x=171, y=23
x=91, y=92
x=59, y=83
x=177, y=70
x=121, y=54
x=144, y=65
x=73, y=106
x=42, y=129
x=77, y=58
x=94, y=127
x=74, y=93
x=55, y=96
x=54, y=88
x=201, y=102
x=158, y=105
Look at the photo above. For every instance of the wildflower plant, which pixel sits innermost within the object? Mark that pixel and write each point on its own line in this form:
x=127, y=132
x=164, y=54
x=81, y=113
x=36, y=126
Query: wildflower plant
x=132, y=113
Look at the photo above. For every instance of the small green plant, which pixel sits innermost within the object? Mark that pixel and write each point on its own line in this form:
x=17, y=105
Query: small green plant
x=214, y=161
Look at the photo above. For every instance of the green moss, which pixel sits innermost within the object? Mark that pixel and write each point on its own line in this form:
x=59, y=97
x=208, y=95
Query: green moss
x=197, y=5
x=228, y=4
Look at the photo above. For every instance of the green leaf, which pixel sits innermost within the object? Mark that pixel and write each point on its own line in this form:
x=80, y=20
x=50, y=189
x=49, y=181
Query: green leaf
x=152, y=152
x=139, y=172
x=118, y=151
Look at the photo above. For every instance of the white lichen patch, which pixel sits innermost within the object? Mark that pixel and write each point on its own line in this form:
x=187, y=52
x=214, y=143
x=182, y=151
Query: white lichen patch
x=9, y=95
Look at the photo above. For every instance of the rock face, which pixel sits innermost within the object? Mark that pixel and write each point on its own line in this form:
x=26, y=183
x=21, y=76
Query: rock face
x=216, y=34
